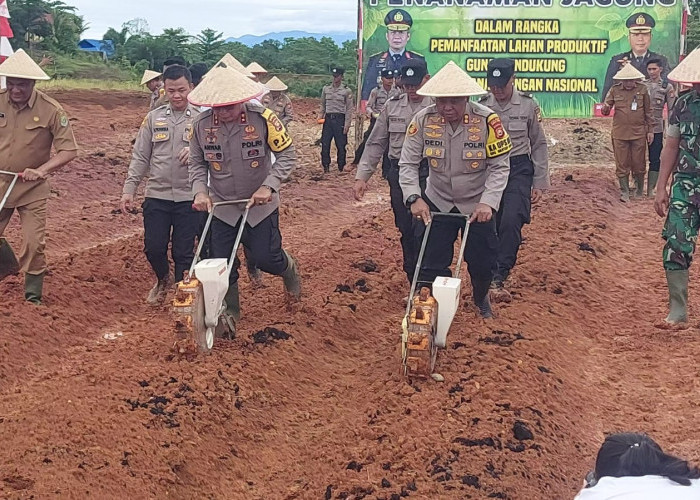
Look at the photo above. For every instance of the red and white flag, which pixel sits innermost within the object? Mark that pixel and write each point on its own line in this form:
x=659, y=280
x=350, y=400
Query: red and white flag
x=5, y=31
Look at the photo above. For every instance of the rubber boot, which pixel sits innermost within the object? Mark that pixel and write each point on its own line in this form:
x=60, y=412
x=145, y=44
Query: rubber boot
x=233, y=304
x=639, y=181
x=480, y=292
x=292, y=280
x=652, y=178
x=34, y=287
x=624, y=189
x=157, y=294
x=677, y=296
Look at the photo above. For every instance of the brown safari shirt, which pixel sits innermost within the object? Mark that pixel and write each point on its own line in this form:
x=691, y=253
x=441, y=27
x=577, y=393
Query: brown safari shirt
x=630, y=121
x=26, y=137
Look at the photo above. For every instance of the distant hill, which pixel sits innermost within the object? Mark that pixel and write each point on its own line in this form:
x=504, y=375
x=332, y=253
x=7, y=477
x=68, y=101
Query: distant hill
x=338, y=37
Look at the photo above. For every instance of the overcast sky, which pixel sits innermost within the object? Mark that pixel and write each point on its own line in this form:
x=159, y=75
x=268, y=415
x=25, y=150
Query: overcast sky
x=232, y=17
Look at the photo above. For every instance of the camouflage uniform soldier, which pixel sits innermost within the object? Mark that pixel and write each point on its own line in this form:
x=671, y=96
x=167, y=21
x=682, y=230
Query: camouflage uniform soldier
x=681, y=156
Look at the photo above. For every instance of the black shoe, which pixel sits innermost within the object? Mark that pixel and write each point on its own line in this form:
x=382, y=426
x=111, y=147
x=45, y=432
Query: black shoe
x=485, y=308
x=341, y=168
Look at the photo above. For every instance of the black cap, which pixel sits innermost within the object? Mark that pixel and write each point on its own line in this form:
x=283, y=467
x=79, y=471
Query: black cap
x=499, y=71
x=337, y=70
x=413, y=71
x=388, y=73
x=398, y=20
x=640, y=23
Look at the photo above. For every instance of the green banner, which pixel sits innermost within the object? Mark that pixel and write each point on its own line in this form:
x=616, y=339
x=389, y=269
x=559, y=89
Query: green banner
x=566, y=51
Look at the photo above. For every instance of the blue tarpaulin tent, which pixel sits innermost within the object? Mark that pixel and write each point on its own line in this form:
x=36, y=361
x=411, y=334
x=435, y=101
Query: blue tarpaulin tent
x=104, y=47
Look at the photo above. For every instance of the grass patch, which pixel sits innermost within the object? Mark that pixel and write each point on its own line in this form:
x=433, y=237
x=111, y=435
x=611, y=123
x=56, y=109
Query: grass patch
x=87, y=83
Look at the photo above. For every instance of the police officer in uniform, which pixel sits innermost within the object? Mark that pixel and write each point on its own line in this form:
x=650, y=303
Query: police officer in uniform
x=161, y=154
x=632, y=128
x=640, y=27
x=232, y=146
x=681, y=157
x=467, y=149
x=30, y=123
x=152, y=81
x=278, y=101
x=661, y=94
x=375, y=104
x=529, y=166
x=389, y=132
x=398, y=24
x=336, y=111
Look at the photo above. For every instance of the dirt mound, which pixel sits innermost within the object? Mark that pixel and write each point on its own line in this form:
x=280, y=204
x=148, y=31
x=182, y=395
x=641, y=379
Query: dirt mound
x=308, y=400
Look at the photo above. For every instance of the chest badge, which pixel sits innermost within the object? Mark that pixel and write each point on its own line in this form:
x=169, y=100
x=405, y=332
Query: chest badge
x=255, y=164
x=433, y=163
x=36, y=118
x=251, y=133
x=216, y=166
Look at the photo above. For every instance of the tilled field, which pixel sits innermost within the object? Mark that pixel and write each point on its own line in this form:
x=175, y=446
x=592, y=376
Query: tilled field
x=308, y=401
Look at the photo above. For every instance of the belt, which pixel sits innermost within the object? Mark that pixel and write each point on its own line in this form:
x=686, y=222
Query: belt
x=335, y=115
x=519, y=158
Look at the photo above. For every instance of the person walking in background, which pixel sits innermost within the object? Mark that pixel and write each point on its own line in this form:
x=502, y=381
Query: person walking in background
x=632, y=128
x=278, y=101
x=336, y=113
x=661, y=94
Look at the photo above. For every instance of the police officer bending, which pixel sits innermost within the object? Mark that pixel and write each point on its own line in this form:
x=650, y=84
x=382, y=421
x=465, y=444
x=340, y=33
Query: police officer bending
x=160, y=153
x=529, y=167
x=467, y=150
x=232, y=144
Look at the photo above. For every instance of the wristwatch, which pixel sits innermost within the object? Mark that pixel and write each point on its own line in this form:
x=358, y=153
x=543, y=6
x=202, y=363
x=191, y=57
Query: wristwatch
x=411, y=200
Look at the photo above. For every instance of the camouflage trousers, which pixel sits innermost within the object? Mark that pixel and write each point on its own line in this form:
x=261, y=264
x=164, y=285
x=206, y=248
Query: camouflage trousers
x=682, y=222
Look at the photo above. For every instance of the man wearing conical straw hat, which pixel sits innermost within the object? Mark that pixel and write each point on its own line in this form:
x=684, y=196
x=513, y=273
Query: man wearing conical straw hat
x=257, y=70
x=632, y=130
x=151, y=79
x=232, y=145
x=468, y=151
x=278, y=101
x=681, y=156
x=30, y=123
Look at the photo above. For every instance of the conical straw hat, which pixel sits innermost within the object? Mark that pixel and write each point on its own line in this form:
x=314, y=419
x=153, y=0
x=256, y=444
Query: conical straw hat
x=256, y=68
x=149, y=75
x=688, y=71
x=20, y=65
x=276, y=84
x=234, y=63
x=628, y=72
x=451, y=81
x=224, y=86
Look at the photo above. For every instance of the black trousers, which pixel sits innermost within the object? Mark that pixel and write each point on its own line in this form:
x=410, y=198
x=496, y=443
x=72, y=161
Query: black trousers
x=264, y=242
x=480, y=252
x=165, y=221
x=655, y=152
x=361, y=148
x=411, y=229
x=514, y=213
x=333, y=130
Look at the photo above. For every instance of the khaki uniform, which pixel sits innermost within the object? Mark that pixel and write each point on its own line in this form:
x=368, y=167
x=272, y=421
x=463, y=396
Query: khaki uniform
x=168, y=217
x=163, y=134
x=467, y=166
x=529, y=168
x=237, y=159
x=660, y=94
x=26, y=137
x=389, y=132
x=336, y=108
x=158, y=98
x=282, y=106
x=631, y=123
x=378, y=98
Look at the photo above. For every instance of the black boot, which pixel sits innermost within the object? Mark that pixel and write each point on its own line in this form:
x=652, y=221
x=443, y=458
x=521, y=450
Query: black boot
x=480, y=292
x=34, y=287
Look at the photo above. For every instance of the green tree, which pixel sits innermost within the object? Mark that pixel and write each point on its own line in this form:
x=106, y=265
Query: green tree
x=209, y=46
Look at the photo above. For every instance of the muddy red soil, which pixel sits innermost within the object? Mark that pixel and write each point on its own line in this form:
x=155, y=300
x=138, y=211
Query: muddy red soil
x=94, y=404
